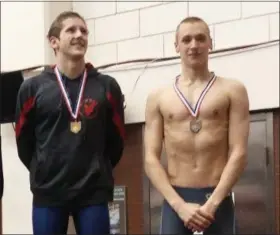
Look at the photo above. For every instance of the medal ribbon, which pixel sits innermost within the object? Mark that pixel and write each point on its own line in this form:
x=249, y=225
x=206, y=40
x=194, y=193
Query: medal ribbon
x=194, y=112
x=66, y=95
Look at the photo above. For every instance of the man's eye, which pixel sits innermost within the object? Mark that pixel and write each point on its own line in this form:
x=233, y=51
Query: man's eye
x=71, y=30
x=201, y=38
x=186, y=40
x=84, y=31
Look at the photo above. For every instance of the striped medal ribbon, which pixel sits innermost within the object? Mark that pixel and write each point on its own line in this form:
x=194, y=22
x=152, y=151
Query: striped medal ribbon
x=75, y=125
x=195, y=124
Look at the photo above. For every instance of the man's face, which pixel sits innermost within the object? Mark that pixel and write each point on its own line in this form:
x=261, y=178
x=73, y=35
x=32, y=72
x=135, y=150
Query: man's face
x=193, y=43
x=73, y=39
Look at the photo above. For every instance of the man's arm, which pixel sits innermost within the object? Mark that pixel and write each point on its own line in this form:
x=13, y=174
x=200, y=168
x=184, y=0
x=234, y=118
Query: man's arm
x=25, y=126
x=239, y=124
x=153, y=146
x=115, y=130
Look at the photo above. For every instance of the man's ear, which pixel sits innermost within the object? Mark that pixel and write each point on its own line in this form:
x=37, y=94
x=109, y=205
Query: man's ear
x=176, y=43
x=177, y=49
x=53, y=41
x=176, y=46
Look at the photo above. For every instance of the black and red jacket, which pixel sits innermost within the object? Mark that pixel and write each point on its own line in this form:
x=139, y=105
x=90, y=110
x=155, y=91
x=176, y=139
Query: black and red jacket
x=65, y=167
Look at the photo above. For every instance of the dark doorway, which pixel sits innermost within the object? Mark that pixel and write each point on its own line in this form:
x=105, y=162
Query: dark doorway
x=254, y=192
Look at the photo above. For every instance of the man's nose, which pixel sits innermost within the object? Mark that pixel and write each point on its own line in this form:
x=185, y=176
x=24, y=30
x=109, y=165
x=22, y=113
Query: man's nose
x=78, y=33
x=194, y=44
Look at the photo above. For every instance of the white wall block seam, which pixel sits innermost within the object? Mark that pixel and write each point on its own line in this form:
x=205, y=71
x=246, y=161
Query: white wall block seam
x=117, y=52
x=140, y=8
x=139, y=23
x=100, y=17
x=240, y=20
x=115, y=41
x=269, y=27
x=259, y=15
x=154, y=34
x=116, y=7
x=120, y=32
x=163, y=45
x=132, y=38
x=241, y=10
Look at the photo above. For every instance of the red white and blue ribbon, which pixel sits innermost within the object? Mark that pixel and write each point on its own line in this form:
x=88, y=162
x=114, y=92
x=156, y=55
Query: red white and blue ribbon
x=194, y=112
x=74, y=113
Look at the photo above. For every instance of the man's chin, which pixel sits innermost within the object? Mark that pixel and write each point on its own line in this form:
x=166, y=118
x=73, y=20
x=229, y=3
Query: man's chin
x=196, y=63
x=77, y=55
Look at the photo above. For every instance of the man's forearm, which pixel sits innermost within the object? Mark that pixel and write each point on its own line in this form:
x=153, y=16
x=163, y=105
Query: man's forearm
x=230, y=176
x=159, y=179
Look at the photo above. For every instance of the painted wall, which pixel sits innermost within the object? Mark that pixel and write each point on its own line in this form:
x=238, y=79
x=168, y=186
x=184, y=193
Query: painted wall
x=125, y=30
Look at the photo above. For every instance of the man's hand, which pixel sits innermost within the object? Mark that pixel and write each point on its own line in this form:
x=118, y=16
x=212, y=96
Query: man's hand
x=207, y=211
x=193, y=218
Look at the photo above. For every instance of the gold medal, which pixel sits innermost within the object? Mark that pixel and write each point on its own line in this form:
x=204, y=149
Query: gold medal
x=75, y=127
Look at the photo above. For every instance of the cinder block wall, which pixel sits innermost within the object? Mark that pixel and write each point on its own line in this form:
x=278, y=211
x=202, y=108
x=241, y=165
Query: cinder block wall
x=131, y=30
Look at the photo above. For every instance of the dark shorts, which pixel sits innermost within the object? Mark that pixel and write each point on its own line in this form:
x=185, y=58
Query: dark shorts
x=224, y=218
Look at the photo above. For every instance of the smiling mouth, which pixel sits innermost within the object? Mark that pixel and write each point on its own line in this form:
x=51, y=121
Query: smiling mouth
x=78, y=44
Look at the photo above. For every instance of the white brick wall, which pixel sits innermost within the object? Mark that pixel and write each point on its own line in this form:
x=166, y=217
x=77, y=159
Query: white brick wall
x=241, y=32
x=250, y=9
x=117, y=27
x=90, y=24
x=163, y=18
x=144, y=47
x=128, y=5
x=129, y=30
x=274, y=26
x=95, y=9
x=215, y=12
x=102, y=54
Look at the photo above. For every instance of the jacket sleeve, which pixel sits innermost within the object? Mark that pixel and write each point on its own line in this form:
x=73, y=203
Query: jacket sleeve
x=115, y=126
x=24, y=118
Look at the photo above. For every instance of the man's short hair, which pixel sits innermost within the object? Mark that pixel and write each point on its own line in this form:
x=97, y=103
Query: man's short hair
x=192, y=19
x=56, y=25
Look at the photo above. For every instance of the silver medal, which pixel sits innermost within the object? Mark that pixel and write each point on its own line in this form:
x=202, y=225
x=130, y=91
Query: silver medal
x=195, y=125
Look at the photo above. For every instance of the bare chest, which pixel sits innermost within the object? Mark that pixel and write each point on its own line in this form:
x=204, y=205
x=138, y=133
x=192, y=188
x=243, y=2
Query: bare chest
x=213, y=105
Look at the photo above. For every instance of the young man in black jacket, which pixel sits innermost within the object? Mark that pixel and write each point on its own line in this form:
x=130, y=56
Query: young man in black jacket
x=70, y=135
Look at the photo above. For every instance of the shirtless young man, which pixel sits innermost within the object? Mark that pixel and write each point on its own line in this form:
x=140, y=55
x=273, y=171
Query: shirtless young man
x=203, y=122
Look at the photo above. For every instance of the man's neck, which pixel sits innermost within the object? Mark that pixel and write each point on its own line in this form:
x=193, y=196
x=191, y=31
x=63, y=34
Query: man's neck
x=194, y=75
x=70, y=68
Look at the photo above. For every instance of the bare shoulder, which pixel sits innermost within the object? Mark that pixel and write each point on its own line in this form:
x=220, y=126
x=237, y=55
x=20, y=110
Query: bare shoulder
x=155, y=96
x=234, y=87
